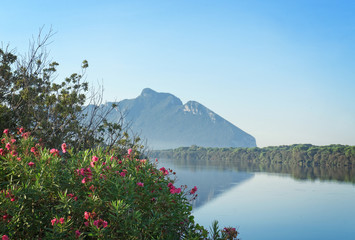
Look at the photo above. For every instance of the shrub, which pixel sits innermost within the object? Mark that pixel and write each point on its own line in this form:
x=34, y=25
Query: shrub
x=32, y=97
x=92, y=194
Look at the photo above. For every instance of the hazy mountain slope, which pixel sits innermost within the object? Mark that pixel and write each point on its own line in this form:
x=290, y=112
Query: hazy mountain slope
x=166, y=122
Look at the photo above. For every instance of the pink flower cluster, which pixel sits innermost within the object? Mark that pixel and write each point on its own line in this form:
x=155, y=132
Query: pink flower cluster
x=64, y=147
x=77, y=233
x=72, y=196
x=129, y=151
x=231, y=232
x=21, y=130
x=94, y=160
x=55, y=152
x=86, y=172
x=8, y=194
x=123, y=173
x=172, y=189
x=164, y=171
x=56, y=221
x=34, y=150
x=5, y=237
x=99, y=223
x=193, y=190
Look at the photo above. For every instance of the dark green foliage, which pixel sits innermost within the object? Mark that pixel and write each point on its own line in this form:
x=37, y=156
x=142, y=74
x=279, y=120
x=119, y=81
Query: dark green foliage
x=54, y=111
x=299, y=154
x=302, y=161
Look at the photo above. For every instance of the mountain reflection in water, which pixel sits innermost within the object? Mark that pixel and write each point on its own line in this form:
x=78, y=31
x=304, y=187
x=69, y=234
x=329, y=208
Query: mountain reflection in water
x=214, y=178
x=266, y=202
x=210, y=181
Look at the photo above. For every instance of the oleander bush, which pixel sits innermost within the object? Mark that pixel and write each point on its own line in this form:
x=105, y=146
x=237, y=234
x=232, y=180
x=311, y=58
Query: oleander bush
x=77, y=190
x=92, y=194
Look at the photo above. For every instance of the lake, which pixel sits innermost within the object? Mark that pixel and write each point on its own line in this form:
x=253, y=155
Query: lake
x=269, y=205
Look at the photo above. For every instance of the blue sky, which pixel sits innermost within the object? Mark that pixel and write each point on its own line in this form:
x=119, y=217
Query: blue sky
x=283, y=71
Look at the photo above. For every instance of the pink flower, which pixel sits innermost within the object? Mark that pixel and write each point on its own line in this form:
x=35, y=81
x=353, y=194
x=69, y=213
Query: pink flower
x=231, y=232
x=123, y=174
x=21, y=130
x=164, y=171
x=25, y=135
x=92, y=188
x=85, y=172
x=64, y=148
x=172, y=189
x=193, y=190
x=104, y=224
x=80, y=171
x=54, y=221
x=77, y=233
x=8, y=146
x=86, y=215
x=94, y=160
x=61, y=220
x=1, y=152
x=54, y=151
x=140, y=184
x=129, y=151
x=83, y=180
x=31, y=164
x=12, y=199
x=6, y=131
x=96, y=223
x=100, y=223
x=13, y=140
x=86, y=223
x=5, y=237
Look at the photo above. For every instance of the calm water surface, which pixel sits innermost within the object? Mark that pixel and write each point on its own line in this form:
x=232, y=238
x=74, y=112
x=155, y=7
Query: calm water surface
x=270, y=206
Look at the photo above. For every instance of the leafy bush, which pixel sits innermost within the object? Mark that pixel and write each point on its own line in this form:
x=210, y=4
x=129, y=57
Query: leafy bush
x=92, y=194
x=32, y=97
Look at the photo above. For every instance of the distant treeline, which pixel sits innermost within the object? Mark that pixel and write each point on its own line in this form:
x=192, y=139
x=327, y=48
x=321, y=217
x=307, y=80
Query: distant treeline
x=297, y=154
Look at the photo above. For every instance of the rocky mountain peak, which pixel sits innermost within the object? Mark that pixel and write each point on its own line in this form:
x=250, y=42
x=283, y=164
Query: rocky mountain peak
x=165, y=122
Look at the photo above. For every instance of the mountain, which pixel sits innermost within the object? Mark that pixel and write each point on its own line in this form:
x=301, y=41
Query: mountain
x=166, y=122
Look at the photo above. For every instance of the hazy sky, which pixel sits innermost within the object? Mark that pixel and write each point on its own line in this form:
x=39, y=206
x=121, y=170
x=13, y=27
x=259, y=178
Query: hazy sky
x=283, y=71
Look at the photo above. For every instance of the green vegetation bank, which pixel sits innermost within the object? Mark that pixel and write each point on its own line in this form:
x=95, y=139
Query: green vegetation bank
x=302, y=161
